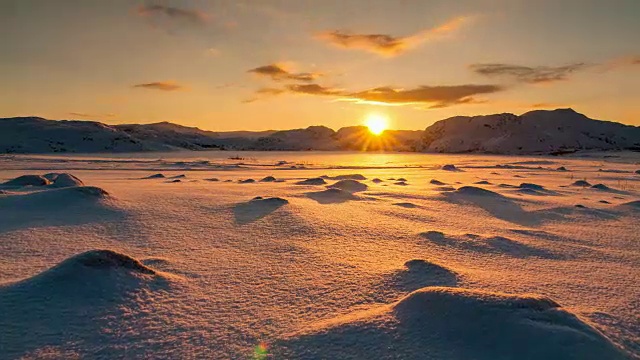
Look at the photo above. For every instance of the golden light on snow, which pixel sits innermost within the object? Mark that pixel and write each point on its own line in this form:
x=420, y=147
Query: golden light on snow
x=377, y=123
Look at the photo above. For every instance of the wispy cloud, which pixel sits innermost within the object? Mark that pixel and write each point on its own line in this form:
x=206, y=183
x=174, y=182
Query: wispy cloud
x=528, y=74
x=163, y=13
x=620, y=63
x=279, y=73
x=314, y=89
x=389, y=45
x=549, y=74
x=425, y=96
x=161, y=85
x=263, y=93
x=432, y=96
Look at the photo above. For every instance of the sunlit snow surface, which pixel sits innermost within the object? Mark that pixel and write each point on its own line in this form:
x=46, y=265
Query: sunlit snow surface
x=496, y=258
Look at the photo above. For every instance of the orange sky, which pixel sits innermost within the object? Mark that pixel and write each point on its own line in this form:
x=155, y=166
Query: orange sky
x=278, y=64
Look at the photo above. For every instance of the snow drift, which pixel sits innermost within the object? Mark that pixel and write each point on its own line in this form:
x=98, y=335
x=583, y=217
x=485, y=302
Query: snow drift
x=452, y=323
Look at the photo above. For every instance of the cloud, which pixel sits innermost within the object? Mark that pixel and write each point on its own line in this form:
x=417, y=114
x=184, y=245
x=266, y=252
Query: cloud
x=314, y=89
x=279, y=73
x=527, y=74
x=161, y=85
x=388, y=45
x=173, y=13
x=434, y=96
x=264, y=93
x=548, y=74
x=620, y=63
x=431, y=96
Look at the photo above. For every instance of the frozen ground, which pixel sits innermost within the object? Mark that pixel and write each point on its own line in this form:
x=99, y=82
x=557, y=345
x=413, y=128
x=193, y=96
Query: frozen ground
x=383, y=256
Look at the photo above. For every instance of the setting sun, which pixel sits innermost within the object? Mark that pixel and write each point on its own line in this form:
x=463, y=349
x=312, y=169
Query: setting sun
x=377, y=123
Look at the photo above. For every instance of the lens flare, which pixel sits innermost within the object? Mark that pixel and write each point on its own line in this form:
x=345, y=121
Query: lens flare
x=377, y=123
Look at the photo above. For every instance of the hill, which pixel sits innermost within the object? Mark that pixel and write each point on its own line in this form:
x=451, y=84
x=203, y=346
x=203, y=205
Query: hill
x=535, y=132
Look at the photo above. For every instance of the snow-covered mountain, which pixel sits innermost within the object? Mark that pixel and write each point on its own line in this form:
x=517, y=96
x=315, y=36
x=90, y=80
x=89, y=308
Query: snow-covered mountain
x=535, y=132
x=311, y=138
x=38, y=135
x=192, y=138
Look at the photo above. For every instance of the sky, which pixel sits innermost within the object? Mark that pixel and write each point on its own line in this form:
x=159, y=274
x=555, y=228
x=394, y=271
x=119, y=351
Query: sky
x=281, y=64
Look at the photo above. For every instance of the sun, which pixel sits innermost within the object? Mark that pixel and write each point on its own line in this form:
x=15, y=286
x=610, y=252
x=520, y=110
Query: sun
x=377, y=123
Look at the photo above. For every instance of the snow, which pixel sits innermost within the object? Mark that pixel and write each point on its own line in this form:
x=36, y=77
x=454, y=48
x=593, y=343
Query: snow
x=351, y=186
x=449, y=323
x=115, y=266
x=537, y=132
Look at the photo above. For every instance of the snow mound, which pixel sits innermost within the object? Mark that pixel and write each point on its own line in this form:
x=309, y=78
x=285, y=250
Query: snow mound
x=63, y=206
x=268, y=179
x=531, y=186
x=345, y=177
x=27, y=180
x=377, y=181
x=476, y=191
x=436, y=182
x=57, y=198
x=407, y=205
x=257, y=208
x=155, y=176
x=453, y=324
x=312, y=181
x=349, y=185
x=181, y=176
x=581, y=183
x=332, y=196
x=632, y=204
x=562, y=168
x=63, y=180
x=400, y=183
x=450, y=167
x=173, y=181
x=88, y=270
x=246, y=181
x=401, y=179
x=69, y=301
x=602, y=187
x=108, y=259
x=483, y=182
x=212, y=179
x=638, y=172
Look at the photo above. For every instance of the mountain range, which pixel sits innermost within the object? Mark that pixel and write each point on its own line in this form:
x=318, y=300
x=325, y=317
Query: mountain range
x=535, y=132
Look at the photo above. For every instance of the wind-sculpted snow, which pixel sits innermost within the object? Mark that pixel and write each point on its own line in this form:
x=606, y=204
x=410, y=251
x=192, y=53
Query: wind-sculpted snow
x=349, y=185
x=312, y=181
x=223, y=270
x=450, y=323
x=63, y=180
x=345, y=177
x=332, y=196
x=257, y=208
x=72, y=300
x=27, y=180
x=69, y=205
